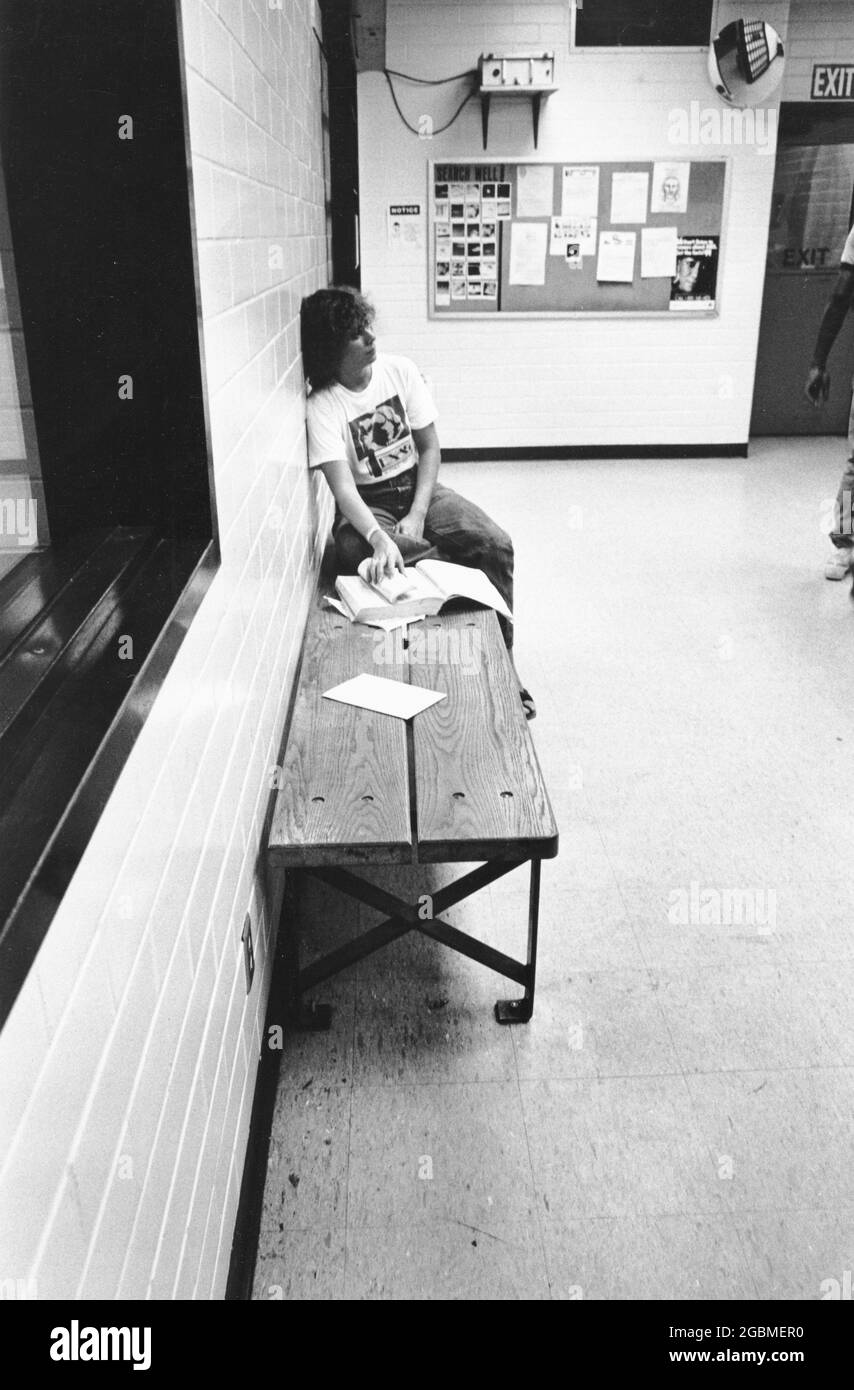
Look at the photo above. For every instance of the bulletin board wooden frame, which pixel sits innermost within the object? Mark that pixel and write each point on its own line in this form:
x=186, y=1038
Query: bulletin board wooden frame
x=577, y=293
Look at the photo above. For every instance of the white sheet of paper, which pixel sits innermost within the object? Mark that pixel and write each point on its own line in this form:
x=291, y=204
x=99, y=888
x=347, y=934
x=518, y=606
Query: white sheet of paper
x=616, y=260
x=580, y=191
x=629, y=195
x=528, y=253
x=585, y=231
x=658, y=252
x=535, y=190
x=397, y=698
x=566, y=229
x=670, y=187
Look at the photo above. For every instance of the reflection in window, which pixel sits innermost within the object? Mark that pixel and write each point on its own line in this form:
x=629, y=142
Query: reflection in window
x=23, y=523
x=643, y=24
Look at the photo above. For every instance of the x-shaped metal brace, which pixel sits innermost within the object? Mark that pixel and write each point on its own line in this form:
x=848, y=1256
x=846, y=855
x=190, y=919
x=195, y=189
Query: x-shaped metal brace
x=405, y=917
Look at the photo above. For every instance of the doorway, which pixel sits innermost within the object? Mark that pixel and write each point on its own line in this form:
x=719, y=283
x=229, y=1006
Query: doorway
x=811, y=213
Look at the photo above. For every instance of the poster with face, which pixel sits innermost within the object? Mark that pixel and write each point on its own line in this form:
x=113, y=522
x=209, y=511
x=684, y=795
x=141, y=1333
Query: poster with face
x=670, y=187
x=694, y=286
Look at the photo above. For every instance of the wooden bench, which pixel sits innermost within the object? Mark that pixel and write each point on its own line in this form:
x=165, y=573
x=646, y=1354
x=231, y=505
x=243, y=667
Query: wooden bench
x=458, y=783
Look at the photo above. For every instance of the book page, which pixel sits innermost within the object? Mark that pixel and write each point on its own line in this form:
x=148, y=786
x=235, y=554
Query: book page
x=362, y=599
x=393, y=588
x=399, y=587
x=462, y=581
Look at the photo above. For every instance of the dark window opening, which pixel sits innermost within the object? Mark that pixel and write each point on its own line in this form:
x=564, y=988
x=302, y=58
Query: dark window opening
x=643, y=24
x=108, y=451
x=342, y=132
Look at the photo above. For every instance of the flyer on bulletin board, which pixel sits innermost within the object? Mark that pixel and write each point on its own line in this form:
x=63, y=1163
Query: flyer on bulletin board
x=694, y=286
x=658, y=252
x=534, y=190
x=629, y=196
x=579, y=200
x=528, y=253
x=616, y=261
x=670, y=187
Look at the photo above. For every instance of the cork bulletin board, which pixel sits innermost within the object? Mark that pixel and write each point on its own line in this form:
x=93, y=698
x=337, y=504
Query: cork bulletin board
x=538, y=238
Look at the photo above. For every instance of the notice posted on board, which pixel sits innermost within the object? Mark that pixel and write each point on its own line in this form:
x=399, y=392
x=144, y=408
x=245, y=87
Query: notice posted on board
x=694, y=286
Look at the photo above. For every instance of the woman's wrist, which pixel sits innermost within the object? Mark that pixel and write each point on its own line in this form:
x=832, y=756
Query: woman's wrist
x=374, y=532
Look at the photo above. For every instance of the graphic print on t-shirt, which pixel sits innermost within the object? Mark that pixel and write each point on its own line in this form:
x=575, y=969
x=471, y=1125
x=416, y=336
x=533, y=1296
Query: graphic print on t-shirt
x=382, y=438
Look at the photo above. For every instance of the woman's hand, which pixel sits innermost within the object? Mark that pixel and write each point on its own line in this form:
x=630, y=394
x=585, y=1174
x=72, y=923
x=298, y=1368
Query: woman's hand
x=385, y=559
x=411, y=525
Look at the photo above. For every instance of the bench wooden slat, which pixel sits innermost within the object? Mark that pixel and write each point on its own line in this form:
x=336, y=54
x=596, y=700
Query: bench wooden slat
x=479, y=787
x=343, y=755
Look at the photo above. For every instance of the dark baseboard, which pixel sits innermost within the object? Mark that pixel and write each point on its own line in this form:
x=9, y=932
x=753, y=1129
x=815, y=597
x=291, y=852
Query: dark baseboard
x=597, y=451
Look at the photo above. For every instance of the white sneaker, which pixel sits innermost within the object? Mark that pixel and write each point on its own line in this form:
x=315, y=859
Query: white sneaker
x=840, y=562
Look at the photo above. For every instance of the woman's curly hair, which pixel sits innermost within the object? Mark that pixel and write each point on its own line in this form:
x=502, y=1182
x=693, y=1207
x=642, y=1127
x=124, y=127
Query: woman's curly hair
x=329, y=319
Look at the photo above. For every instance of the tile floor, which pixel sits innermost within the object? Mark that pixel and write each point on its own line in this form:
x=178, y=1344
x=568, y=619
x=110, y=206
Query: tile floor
x=677, y=1121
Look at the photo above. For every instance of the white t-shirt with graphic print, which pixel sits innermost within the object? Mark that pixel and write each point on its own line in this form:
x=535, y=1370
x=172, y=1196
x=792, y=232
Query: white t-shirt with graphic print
x=371, y=429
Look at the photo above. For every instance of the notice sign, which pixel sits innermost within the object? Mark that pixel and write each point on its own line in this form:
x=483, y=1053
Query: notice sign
x=832, y=82
x=405, y=226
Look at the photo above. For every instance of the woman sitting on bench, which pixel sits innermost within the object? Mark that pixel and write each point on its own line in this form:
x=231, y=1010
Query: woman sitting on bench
x=372, y=432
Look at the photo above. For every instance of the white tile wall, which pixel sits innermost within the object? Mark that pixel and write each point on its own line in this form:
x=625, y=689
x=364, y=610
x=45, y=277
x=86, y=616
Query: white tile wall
x=128, y=1064
x=516, y=382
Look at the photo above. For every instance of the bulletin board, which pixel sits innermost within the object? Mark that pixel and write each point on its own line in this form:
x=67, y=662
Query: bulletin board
x=537, y=238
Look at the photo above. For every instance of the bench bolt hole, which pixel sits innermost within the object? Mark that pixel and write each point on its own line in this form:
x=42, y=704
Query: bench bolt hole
x=506, y=793
x=318, y=798
x=458, y=796
x=367, y=798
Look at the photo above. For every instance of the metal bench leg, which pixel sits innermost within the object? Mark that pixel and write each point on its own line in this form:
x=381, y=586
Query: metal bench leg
x=520, y=1010
x=305, y=1017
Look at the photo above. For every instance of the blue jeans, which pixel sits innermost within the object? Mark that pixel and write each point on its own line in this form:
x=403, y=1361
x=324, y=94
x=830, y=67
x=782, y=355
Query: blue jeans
x=843, y=533
x=454, y=529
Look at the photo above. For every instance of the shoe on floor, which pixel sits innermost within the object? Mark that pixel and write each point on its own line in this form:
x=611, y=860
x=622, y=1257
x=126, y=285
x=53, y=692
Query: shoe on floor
x=840, y=562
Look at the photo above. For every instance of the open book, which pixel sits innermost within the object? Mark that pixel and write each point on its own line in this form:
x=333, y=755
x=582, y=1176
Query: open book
x=421, y=590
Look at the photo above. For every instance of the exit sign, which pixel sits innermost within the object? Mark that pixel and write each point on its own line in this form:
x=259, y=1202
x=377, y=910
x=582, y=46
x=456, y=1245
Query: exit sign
x=833, y=82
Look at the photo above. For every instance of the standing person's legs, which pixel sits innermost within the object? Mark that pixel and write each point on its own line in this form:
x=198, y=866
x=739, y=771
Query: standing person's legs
x=466, y=535
x=841, y=535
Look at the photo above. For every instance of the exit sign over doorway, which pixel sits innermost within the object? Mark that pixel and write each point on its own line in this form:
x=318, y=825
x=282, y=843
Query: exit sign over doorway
x=832, y=82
